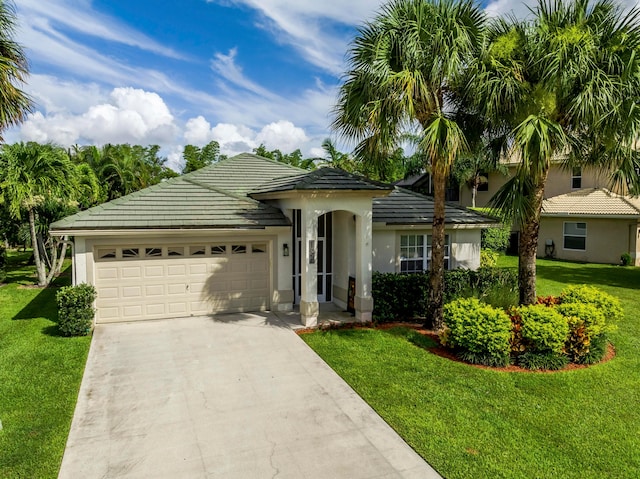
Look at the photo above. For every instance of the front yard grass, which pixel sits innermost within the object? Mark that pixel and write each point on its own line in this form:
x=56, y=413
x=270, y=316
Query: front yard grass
x=469, y=422
x=40, y=374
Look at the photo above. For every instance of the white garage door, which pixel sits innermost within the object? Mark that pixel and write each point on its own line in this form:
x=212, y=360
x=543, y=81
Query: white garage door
x=162, y=281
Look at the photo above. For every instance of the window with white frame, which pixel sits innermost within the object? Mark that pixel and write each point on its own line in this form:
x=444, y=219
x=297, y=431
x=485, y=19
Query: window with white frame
x=415, y=253
x=575, y=236
x=576, y=178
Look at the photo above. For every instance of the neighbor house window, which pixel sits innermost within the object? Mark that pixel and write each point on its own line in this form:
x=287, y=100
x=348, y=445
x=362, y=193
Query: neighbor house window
x=484, y=181
x=415, y=253
x=576, y=178
x=575, y=236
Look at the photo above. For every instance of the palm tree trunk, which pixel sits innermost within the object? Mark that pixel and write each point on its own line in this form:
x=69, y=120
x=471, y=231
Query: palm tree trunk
x=474, y=190
x=42, y=276
x=436, y=274
x=528, y=246
x=63, y=254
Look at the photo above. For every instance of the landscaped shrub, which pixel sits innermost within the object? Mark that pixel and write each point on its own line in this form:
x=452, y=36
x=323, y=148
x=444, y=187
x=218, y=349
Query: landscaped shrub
x=496, y=239
x=607, y=304
x=596, y=352
x=626, y=259
x=543, y=329
x=488, y=258
x=479, y=332
x=75, y=309
x=585, y=323
x=398, y=296
x=550, y=361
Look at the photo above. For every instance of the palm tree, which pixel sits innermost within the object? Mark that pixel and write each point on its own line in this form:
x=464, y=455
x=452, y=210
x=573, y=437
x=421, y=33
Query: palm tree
x=564, y=86
x=402, y=68
x=14, y=69
x=34, y=174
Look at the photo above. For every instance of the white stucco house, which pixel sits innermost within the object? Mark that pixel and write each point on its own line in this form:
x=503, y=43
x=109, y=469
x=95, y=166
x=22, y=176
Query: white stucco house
x=251, y=234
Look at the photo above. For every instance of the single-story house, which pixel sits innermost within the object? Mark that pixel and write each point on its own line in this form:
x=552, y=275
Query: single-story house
x=251, y=234
x=593, y=225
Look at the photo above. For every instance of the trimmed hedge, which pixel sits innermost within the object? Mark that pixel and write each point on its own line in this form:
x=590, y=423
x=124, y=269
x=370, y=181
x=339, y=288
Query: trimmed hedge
x=399, y=297
x=478, y=331
x=75, y=309
x=543, y=329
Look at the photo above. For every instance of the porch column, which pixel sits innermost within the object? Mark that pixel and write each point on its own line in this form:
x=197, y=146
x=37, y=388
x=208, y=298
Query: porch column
x=309, y=307
x=363, y=299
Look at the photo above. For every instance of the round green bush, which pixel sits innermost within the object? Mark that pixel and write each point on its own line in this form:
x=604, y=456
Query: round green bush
x=586, y=322
x=543, y=329
x=75, y=309
x=607, y=304
x=477, y=328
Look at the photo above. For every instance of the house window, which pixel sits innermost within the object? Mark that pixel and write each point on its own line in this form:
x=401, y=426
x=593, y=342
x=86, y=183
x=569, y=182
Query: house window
x=576, y=178
x=575, y=236
x=108, y=253
x=197, y=250
x=415, y=257
x=175, y=250
x=238, y=248
x=219, y=249
x=259, y=248
x=152, y=252
x=130, y=253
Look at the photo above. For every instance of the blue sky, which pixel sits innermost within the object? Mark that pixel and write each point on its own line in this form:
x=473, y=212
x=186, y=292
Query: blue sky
x=242, y=72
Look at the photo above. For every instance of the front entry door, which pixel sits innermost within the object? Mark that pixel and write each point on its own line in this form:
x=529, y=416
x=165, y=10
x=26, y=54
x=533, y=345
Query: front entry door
x=324, y=256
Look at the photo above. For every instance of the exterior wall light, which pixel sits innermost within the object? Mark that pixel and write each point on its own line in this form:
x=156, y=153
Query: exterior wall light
x=285, y=249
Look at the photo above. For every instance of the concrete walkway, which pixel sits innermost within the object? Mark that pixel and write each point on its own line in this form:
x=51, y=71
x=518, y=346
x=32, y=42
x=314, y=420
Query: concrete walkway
x=238, y=396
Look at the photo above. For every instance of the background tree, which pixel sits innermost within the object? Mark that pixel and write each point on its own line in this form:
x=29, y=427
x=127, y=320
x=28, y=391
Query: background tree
x=402, y=68
x=14, y=69
x=295, y=158
x=563, y=86
x=196, y=157
x=35, y=175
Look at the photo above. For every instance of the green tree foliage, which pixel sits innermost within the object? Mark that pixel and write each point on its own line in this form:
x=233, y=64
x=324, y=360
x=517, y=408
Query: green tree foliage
x=122, y=169
x=35, y=179
x=563, y=85
x=403, y=68
x=196, y=157
x=295, y=158
x=15, y=104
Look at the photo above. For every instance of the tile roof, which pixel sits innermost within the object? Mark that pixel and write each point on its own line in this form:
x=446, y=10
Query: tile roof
x=591, y=202
x=405, y=207
x=217, y=197
x=321, y=179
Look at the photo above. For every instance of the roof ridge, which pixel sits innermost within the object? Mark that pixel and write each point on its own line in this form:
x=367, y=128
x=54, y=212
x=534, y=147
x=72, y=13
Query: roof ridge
x=222, y=191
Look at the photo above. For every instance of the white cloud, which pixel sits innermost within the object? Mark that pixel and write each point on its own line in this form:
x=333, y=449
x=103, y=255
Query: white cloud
x=283, y=135
x=131, y=116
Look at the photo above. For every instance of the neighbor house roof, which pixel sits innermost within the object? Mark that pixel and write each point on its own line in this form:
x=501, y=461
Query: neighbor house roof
x=591, y=202
x=405, y=207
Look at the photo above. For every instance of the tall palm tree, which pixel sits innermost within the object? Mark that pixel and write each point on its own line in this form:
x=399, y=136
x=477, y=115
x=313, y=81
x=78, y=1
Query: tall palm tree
x=33, y=174
x=14, y=69
x=564, y=86
x=402, y=67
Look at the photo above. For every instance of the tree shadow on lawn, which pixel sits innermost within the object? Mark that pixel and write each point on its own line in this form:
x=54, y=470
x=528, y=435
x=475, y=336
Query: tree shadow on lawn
x=42, y=306
x=614, y=276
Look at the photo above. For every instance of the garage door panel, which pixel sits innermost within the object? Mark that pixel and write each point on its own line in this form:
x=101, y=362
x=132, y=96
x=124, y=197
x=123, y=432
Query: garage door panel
x=129, y=292
x=171, y=286
x=156, y=271
x=158, y=309
x=154, y=290
x=178, y=288
x=177, y=270
x=129, y=272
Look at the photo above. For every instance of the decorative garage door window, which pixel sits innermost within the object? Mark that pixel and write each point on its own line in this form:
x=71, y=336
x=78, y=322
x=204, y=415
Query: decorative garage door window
x=155, y=252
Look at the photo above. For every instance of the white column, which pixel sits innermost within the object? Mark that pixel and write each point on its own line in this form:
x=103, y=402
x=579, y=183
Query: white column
x=309, y=307
x=363, y=299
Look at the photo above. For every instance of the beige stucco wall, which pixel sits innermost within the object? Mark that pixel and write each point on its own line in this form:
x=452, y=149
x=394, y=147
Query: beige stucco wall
x=558, y=183
x=606, y=239
x=465, y=247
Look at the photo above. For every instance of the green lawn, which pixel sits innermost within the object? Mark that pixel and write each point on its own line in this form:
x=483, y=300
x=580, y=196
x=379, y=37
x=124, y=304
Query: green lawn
x=40, y=374
x=470, y=423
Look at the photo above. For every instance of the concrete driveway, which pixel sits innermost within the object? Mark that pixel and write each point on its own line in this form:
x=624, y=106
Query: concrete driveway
x=238, y=396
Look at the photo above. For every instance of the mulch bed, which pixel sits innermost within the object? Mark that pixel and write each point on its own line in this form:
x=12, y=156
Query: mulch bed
x=444, y=352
